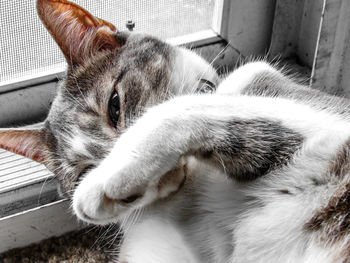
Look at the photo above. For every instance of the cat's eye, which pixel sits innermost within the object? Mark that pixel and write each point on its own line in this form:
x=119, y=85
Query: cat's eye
x=114, y=108
x=206, y=86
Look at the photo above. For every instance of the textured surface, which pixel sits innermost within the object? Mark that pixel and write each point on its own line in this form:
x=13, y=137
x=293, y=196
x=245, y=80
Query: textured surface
x=17, y=171
x=76, y=247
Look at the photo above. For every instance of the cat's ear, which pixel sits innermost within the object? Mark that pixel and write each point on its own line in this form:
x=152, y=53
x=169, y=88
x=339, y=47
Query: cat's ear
x=30, y=143
x=78, y=33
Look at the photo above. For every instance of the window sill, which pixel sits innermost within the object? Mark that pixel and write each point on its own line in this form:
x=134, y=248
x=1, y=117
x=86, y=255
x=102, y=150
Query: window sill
x=36, y=224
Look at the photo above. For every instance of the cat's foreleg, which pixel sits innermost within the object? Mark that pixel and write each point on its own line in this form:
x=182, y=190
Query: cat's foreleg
x=246, y=136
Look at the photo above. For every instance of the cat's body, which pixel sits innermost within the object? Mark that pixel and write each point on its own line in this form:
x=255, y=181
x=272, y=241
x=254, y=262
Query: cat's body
x=257, y=171
x=289, y=214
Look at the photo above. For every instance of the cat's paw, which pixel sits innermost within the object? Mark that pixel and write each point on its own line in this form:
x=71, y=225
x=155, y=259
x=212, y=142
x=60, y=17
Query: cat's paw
x=144, y=165
x=87, y=202
x=102, y=199
x=140, y=185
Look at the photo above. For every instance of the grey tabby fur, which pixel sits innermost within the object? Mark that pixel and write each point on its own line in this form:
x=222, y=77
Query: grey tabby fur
x=139, y=84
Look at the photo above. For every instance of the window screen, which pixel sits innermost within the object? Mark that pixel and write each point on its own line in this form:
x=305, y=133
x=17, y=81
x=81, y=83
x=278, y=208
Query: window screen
x=27, y=50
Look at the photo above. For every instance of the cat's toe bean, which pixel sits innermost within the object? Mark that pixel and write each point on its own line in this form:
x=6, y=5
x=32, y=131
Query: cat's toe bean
x=172, y=181
x=128, y=200
x=131, y=198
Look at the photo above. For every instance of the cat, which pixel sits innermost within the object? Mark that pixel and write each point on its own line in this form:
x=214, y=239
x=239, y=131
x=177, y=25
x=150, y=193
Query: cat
x=255, y=170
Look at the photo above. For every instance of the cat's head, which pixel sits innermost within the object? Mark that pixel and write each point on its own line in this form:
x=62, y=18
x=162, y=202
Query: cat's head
x=112, y=77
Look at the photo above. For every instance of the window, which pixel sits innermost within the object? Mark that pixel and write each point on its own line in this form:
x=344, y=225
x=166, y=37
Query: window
x=24, y=57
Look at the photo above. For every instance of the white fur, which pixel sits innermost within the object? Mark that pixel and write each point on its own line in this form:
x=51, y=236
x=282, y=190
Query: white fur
x=166, y=241
x=221, y=225
x=188, y=70
x=78, y=144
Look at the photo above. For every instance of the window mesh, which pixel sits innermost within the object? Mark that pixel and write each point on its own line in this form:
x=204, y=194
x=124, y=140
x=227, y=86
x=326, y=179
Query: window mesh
x=27, y=49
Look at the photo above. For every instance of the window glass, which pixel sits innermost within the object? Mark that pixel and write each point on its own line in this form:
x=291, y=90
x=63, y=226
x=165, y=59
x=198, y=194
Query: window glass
x=26, y=48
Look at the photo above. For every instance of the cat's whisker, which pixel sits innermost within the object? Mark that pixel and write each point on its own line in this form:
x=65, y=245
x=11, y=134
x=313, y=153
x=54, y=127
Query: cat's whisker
x=117, y=235
x=98, y=241
x=209, y=66
x=137, y=216
x=131, y=219
x=90, y=229
x=118, y=240
x=99, y=238
x=73, y=98
x=112, y=235
x=81, y=93
x=103, y=235
x=221, y=162
x=122, y=224
x=128, y=222
x=182, y=82
x=185, y=76
x=47, y=179
x=170, y=82
x=120, y=232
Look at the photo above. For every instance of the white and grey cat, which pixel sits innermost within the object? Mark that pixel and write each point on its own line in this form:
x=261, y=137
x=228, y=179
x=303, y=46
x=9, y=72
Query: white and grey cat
x=257, y=171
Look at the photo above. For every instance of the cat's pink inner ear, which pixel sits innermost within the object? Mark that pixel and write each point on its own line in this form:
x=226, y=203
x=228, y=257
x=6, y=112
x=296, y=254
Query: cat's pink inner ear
x=27, y=142
x=78, y=33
